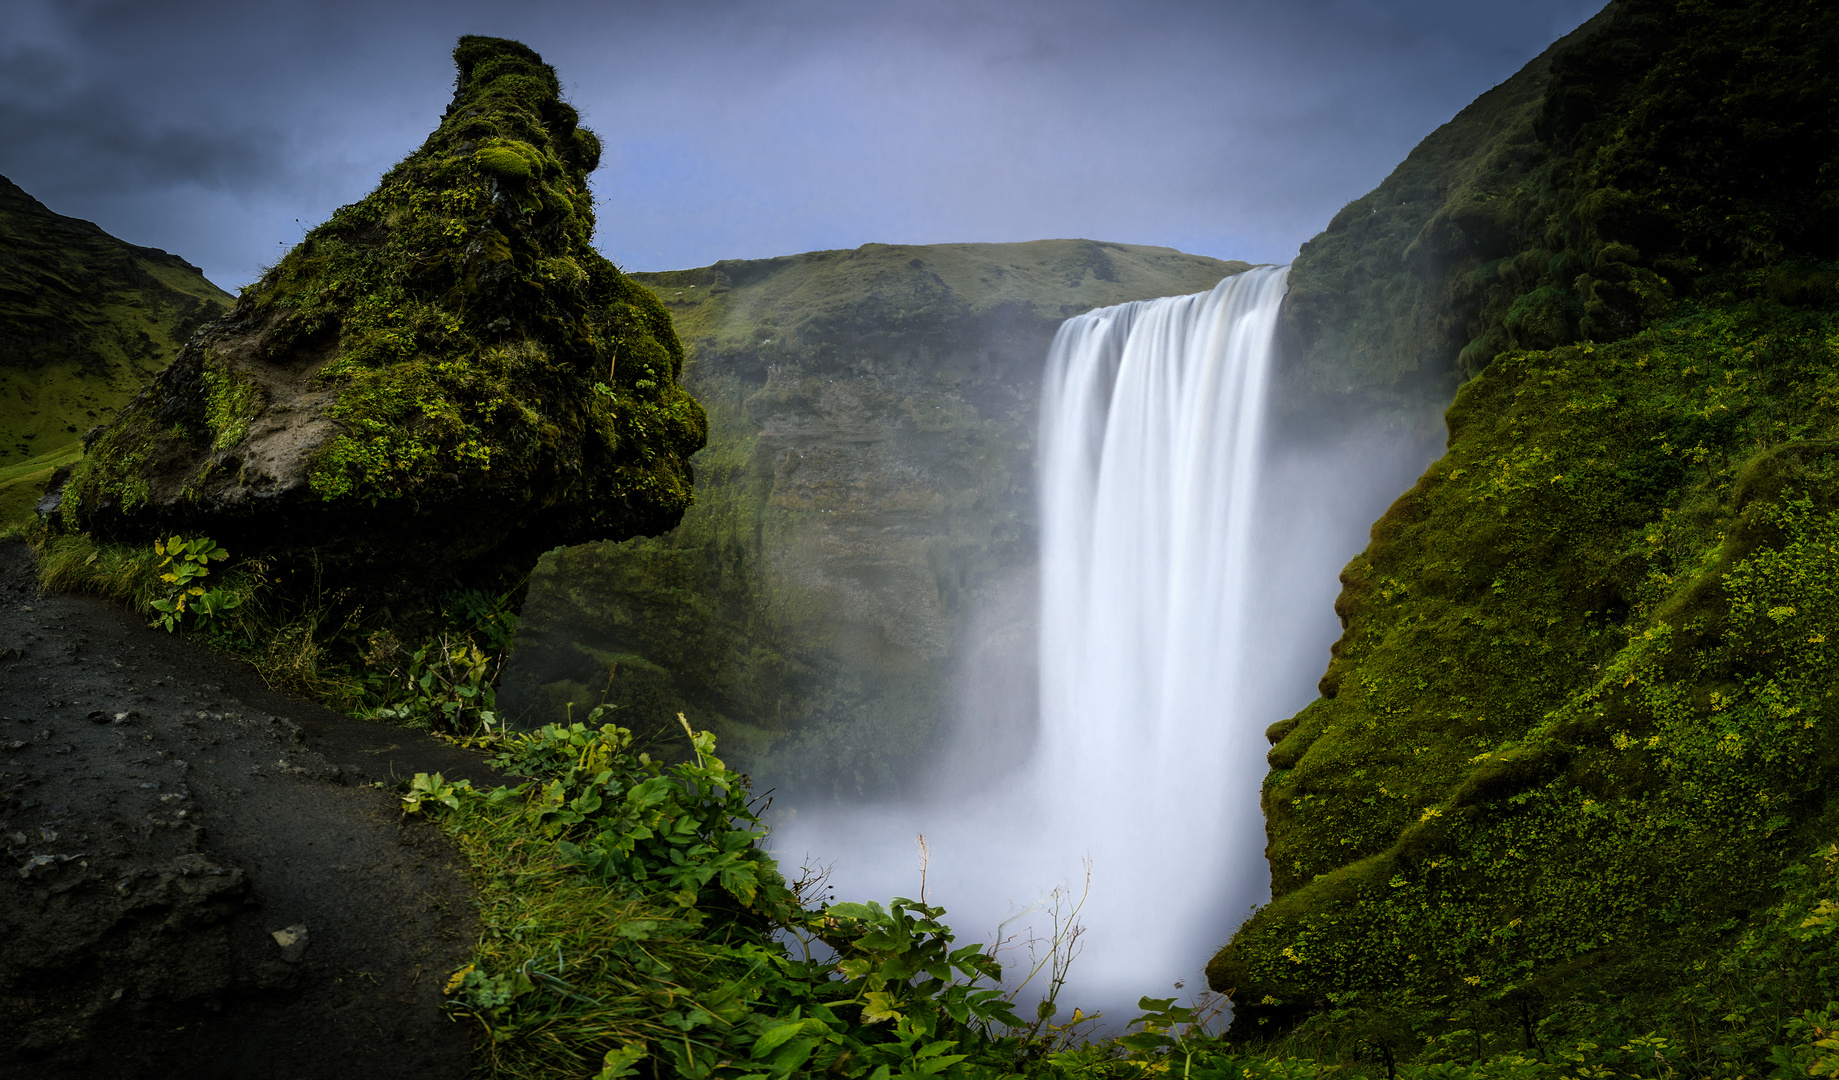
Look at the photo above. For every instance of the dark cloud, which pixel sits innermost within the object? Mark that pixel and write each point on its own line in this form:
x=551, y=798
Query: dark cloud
x=94, y=142
x=750, y=128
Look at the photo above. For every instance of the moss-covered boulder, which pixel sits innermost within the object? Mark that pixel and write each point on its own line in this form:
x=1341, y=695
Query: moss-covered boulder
x=1580, y=732
x=443, y=372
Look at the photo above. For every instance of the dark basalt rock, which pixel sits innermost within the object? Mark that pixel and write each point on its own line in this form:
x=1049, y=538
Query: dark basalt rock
x=443, y=373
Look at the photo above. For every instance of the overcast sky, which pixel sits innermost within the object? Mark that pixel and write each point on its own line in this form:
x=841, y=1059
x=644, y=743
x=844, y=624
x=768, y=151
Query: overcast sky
x=736, y=129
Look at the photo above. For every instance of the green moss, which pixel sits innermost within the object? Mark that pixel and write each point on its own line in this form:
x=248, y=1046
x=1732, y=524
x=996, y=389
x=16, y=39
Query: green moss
x=231, y=401
x=510, y=159
x=1582, y=712
x=126, y=457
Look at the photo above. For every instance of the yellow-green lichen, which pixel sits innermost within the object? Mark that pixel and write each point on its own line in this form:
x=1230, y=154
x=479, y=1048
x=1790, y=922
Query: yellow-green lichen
x=509, y=159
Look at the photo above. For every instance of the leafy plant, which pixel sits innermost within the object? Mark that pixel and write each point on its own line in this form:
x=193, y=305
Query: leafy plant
x=447, y=685
x=184, y=564
x=450, y=683
x=436, y=789
x=701, y=926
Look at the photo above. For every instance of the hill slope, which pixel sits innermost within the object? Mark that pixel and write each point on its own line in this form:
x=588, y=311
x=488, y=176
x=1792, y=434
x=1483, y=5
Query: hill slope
x=865, y=495
x=1575, y=745
x=85, y=320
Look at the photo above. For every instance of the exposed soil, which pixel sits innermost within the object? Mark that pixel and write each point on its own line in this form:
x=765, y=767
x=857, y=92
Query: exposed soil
x=201, y=880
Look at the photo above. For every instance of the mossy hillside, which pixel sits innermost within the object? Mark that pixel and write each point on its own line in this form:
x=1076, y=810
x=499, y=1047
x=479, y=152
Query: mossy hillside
x=1376, y=301
x=1579, y=200
x=85, y=321
x=441, y=370
x=1546, y=766
x=866, y=489
x=1582, y=712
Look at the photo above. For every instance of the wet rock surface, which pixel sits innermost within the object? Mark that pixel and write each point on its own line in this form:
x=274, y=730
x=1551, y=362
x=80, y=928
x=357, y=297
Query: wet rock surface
x=200, y=878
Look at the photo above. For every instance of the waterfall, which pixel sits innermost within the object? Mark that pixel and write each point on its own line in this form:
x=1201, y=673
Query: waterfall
x=1151, y=446
x=1148, y=755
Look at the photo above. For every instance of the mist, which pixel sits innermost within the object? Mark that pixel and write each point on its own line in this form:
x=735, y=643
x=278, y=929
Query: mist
x=1082, y=785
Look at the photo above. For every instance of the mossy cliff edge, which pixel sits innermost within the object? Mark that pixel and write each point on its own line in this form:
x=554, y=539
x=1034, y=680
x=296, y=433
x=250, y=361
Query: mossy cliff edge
x=85, y=321
x=442, y=372
x=865, y=511
x=1582, y=727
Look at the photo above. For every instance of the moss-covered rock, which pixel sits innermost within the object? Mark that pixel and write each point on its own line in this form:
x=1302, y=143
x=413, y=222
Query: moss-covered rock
x=866, y=491
x=1582, y=714
x=440, y=373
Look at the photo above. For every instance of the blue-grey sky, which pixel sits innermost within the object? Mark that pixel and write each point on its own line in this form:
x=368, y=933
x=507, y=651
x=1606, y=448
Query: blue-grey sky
x=743, y=129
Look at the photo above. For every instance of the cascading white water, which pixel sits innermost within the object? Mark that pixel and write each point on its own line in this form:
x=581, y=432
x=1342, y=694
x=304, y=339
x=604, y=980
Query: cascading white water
x=1148, y=759
x=1151, y=446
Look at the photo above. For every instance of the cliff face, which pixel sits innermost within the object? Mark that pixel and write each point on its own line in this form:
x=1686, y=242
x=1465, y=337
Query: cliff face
x=1579, y=731
x=85, y=320
x=865, y=510
x=445, y=372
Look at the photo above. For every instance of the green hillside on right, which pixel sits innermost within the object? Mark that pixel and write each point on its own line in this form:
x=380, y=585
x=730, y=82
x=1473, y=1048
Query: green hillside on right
x=1570, y=774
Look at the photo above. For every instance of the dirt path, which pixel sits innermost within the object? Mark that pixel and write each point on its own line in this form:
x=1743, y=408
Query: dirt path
x=170, y=824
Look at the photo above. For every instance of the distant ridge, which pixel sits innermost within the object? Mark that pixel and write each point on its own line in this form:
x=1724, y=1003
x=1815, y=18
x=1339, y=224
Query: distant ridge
x=85, y=320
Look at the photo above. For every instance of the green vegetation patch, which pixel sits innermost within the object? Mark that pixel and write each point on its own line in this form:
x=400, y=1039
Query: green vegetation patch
x=231, y=401
x=1659, y=144
x=632, y=924
x=1582, y=715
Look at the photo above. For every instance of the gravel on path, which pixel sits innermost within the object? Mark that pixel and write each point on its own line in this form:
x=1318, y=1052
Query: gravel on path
x=201, y=879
